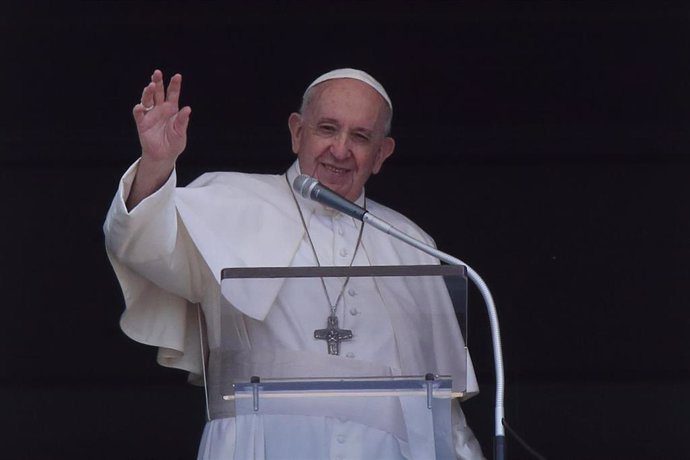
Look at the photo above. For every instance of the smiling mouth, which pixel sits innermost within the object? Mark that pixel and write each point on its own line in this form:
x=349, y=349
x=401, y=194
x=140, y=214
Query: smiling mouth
x=334, y=169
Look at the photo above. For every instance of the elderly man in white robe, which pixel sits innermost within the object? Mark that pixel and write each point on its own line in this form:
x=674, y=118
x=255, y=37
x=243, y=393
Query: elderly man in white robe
x=168, y=245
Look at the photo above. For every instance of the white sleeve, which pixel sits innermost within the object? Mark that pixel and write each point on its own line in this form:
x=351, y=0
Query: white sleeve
x=159, y=271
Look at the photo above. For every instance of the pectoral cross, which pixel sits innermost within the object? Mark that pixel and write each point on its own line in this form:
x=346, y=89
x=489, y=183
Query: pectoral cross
x=333, y=335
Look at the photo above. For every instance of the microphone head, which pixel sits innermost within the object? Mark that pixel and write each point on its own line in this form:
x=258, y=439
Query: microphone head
x=304, y=184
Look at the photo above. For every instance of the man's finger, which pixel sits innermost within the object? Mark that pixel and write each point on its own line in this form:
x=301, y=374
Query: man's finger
x=182, y=120
x=159, y=88
x=138, y=112
x=147, y=96
x=174, y=89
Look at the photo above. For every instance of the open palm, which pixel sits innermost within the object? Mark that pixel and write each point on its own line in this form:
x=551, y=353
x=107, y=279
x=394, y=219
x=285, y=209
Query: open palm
x=161, y=124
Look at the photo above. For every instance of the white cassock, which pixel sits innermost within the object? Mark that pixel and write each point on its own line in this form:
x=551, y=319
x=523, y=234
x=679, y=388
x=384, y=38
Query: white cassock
x=168, y=254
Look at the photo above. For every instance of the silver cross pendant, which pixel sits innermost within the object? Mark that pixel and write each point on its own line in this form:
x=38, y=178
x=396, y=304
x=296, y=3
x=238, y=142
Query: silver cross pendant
x=333, y=335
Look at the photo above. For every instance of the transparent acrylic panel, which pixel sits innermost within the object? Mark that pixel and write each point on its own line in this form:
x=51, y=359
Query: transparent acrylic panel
x=269, y=317
x=413, y=409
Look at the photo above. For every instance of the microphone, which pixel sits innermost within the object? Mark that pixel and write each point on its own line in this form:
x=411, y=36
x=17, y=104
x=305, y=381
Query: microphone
x=311, y=188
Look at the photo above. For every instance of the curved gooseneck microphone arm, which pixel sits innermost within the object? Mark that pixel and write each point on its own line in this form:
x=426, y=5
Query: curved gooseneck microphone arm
x=310, y=188
x=491, y=310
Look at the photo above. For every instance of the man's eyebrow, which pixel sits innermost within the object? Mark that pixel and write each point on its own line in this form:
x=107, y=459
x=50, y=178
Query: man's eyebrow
x=358, y=129
x=364, y=130
x=327, y=120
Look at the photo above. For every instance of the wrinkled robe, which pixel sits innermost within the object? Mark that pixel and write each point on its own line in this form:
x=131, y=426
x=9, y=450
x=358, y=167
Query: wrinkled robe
x=168, y=254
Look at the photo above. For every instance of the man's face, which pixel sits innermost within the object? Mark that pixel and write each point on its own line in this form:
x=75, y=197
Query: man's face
x=340, y=138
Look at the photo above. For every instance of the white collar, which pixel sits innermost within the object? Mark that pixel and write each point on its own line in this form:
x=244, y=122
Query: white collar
x=311, y=207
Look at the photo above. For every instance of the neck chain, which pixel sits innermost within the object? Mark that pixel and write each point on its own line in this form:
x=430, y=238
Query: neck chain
x=332, y=334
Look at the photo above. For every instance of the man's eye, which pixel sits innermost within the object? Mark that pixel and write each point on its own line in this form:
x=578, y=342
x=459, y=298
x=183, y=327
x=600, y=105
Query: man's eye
x=325, y=129
x=361, y=138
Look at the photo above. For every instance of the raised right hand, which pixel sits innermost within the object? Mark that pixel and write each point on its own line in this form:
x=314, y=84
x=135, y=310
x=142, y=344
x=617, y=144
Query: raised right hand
x=162, y=128
x=161, y=125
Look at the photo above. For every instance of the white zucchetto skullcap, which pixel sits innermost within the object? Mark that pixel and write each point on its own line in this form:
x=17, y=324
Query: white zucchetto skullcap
x=355, y=74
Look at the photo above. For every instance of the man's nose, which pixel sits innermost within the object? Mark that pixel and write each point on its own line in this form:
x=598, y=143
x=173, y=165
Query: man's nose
x=340, y=148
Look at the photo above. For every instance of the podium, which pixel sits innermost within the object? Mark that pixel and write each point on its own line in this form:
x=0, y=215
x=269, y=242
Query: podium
x=418, y=407
x=409, y=397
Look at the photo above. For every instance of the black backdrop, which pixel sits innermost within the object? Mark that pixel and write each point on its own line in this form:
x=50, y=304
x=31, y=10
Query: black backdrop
x=543, y=143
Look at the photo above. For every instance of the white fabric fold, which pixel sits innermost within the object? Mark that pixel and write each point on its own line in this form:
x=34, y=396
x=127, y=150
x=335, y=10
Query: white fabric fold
x=169, y=251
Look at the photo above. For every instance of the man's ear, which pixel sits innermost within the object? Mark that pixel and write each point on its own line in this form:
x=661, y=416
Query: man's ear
x=386, y=150
x=295, y=125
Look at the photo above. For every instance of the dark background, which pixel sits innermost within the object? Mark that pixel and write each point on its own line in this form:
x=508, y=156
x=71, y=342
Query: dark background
x=545, y=144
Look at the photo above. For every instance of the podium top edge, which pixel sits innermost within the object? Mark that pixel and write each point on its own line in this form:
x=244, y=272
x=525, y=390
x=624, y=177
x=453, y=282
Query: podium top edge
x=355, y=271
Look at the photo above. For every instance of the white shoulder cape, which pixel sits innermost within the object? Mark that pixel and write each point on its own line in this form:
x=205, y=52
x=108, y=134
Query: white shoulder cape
x=241, y=220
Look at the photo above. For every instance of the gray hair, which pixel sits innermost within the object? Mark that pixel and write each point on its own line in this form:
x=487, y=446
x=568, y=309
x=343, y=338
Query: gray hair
x=388, y=112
